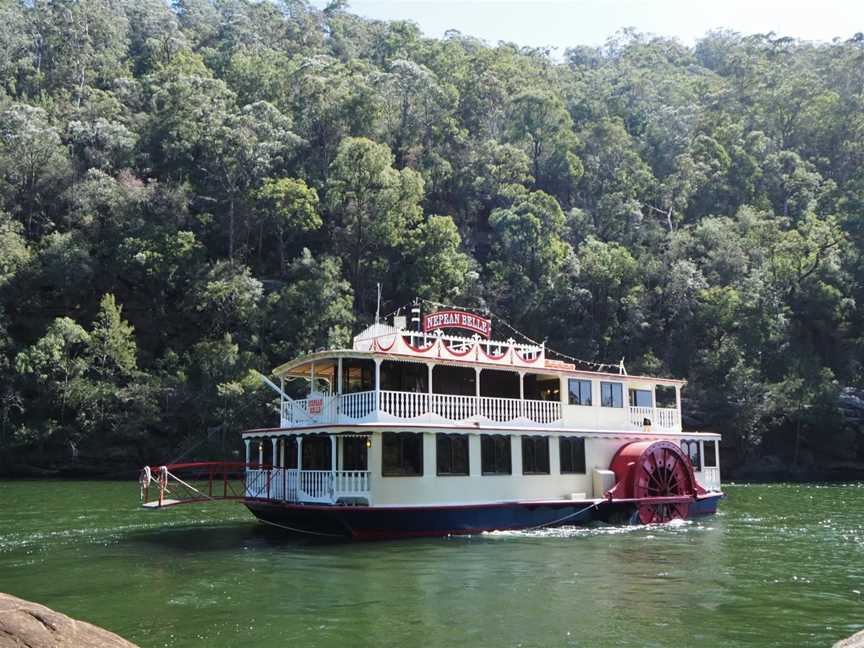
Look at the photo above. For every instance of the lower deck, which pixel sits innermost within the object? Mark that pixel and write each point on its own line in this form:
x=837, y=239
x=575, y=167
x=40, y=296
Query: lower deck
x=442, y=467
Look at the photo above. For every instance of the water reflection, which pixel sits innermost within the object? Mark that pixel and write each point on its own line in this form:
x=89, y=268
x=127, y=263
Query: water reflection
x=782, y=565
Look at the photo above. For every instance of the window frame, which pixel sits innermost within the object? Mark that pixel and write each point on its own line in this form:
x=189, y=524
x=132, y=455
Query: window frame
x=686, y=445
x=581, y=382
x=565, y=441
x=361, y=450
x=402, y=438
x=540, y=448
x=450, y=438
x=611, y=385
x=634, y=393
x=486, y=439
x=712, y=454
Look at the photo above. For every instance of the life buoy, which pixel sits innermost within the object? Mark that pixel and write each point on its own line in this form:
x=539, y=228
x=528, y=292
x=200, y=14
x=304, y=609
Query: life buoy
x=145, y=476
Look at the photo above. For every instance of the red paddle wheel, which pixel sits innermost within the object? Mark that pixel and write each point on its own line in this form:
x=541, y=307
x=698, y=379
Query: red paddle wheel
x=657, y=478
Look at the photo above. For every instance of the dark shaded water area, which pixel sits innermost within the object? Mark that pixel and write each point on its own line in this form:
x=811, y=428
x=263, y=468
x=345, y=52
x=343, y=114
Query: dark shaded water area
x=781, y=565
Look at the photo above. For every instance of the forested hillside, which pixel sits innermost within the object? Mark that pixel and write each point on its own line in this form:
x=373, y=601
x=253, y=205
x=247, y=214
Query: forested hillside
x=190, y=192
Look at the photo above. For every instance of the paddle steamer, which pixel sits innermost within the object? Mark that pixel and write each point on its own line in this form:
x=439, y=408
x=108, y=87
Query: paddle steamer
x=434, y=428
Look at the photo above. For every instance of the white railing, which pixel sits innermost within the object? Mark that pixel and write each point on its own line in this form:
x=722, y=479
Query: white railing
x=456, y=342
x=667, y=418
x=543, y=412
x=307, y=486
x=309, y=411
x=710, y=478
x=258, y=483
x=404, y=405
x=661, y=418
x=351, y=483
x=499, y=409
x=454, y=407
x=419, y=406
x=358, y=405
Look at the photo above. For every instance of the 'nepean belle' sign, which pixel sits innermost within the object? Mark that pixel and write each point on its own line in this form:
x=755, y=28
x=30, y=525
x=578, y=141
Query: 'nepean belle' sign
x=457, y=319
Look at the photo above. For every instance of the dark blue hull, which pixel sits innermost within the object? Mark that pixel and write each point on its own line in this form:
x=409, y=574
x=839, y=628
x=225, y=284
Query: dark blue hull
x=369, y=522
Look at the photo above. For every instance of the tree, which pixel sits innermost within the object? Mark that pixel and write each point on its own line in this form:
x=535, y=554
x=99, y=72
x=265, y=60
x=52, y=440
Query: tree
x=314, y=286
x=112, y=345
x=540, y=120
x=33, y=162
x=375, y=208
x=292, y=206
x=57, y=360
x=435, y=267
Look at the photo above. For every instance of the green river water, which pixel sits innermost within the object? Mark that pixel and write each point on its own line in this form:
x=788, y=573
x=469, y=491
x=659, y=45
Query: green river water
x=781, y=565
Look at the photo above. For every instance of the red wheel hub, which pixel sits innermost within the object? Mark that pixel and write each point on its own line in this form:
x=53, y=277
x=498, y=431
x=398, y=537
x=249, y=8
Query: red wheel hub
x=649, y=472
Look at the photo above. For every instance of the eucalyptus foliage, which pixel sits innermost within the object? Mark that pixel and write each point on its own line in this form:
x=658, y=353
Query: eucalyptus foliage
x=192, y=191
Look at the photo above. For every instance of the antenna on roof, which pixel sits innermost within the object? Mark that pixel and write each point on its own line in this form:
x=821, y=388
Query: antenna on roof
x=378, y=306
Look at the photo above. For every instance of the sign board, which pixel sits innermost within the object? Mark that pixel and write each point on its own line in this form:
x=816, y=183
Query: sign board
x=457, y=319
x=316, y=405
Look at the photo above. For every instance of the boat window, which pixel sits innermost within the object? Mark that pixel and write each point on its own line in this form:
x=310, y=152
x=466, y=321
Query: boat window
x=691, y=449
x=451, y=454
x=572, y=451
x=580, y=391
x=666, y=396
x=611, y=394
x=357, y=375
x=641, y=398
x=402, y=454
x=447, y=379
x=502, y=384
x=404, y=376
x=317, y=452
x=354, y=454
x=495, y=454
x=535, y=455
x=710, y=450
x=290, y=451
x=539, y=387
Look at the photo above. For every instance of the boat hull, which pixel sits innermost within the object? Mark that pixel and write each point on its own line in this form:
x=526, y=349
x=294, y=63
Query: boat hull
x=371, y=523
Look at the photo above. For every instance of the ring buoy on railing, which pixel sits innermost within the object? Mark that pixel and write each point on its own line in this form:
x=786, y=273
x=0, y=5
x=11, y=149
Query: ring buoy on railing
x=144, y=481
x=145, y=476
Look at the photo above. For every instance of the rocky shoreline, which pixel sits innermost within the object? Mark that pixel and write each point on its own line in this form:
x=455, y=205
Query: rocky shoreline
x=23, y=623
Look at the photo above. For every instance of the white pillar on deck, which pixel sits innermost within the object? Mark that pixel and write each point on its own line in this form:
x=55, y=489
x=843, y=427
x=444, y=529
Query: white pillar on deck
x=274, y=440
x=281, y=400
x=299, y=453
x=312, y=378
x=333, y=452
x=431, y=367
x=260, y=452
x=248, y=443
x=339, y=377
x=377, y=384
x=521, y=385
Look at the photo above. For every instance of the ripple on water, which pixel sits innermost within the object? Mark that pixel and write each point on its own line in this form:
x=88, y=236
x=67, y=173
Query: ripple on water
x=774, y=568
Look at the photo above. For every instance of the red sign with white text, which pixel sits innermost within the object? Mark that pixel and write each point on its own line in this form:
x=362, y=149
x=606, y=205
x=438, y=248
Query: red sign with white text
x=457, y=319
x=316, y=405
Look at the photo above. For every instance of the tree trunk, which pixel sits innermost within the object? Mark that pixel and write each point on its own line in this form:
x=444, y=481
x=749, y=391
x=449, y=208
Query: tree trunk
x=231, y=229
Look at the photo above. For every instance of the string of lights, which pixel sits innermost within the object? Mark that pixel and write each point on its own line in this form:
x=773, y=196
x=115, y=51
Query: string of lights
x=599, y=366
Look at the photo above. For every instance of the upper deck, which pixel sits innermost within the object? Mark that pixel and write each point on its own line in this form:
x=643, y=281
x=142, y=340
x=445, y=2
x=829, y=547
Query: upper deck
x=395, y=375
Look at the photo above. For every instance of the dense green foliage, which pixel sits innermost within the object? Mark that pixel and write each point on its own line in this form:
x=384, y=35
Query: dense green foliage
x=190, y=192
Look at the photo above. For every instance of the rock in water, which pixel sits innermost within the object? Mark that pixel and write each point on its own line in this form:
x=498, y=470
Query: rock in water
x=855, y=641
x=23, y=623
